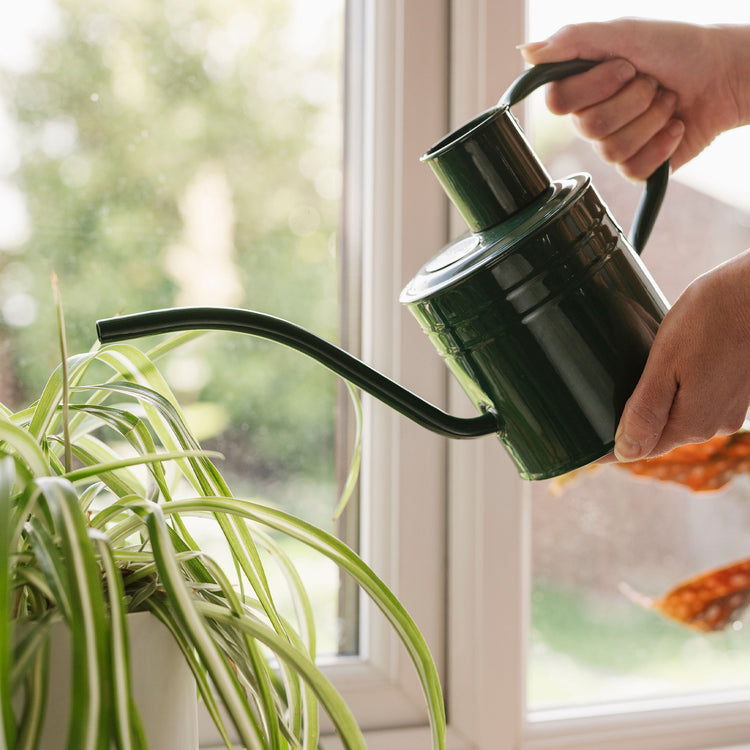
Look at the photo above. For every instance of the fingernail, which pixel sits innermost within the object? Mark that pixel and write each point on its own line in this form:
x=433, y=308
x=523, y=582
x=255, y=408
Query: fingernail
x=625, y=71
x=669, y=98
x=626, y=449
x=530, y=47
x=676, y=128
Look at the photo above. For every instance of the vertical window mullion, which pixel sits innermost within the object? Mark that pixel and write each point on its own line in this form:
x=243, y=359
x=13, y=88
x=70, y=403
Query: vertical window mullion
x=487, y=519
x=402, y=216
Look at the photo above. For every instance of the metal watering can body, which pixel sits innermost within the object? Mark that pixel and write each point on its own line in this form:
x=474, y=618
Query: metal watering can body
x=543, y=311
x=551, y=325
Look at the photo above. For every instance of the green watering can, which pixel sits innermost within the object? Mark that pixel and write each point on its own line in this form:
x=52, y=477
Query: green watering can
x=543, y=310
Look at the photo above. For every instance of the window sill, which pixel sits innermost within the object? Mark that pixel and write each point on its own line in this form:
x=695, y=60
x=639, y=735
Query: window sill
x=652, y=726
x=709, y=722
x=414, y=738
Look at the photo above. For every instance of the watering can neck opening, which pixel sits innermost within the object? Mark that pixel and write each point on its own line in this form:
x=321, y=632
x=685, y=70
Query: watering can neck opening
x=463, y=133
x=488, y=169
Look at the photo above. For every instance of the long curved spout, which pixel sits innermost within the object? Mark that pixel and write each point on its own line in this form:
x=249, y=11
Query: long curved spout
x=336, y=359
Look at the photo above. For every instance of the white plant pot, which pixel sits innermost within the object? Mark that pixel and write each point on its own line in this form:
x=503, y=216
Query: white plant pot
x=163, y=687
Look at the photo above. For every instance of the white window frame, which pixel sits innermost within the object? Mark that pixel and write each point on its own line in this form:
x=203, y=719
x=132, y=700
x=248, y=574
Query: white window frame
x=426, y=526
x=403, y=100
x=446, y=523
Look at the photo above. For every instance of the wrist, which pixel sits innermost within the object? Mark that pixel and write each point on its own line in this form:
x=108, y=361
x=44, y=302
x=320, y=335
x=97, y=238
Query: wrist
x=733, y=43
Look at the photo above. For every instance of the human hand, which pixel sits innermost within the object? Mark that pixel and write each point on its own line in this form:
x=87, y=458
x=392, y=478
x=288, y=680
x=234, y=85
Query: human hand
x=665, y=89
x=696, y=382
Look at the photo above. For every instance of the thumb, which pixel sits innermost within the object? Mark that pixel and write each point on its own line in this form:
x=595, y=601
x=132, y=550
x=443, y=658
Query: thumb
x=645, y=416
x=591, y=41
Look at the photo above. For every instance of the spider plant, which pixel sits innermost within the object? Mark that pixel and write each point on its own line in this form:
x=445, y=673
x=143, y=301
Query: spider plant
x=99, y=480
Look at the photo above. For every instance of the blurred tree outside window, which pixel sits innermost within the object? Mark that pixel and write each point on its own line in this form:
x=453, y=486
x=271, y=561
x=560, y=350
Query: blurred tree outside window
x=156, y=153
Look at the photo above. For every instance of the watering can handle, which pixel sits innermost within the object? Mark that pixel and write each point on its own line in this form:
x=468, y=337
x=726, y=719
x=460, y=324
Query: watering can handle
x=656, y=184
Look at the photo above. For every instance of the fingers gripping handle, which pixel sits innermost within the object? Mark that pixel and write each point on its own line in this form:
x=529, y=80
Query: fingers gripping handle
x=533, y=78
x=656, y=185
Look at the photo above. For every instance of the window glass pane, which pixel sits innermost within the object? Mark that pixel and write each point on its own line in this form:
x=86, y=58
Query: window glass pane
x=183, y=152
x=602, y=534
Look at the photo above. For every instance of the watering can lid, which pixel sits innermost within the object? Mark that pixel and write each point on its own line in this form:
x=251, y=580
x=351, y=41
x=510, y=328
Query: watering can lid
x=472, y=252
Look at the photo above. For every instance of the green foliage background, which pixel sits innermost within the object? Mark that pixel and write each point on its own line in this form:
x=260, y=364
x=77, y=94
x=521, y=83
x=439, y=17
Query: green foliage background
x=129, y=102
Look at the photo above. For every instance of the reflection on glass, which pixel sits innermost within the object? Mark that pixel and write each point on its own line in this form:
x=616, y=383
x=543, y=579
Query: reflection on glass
x=601, y=534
